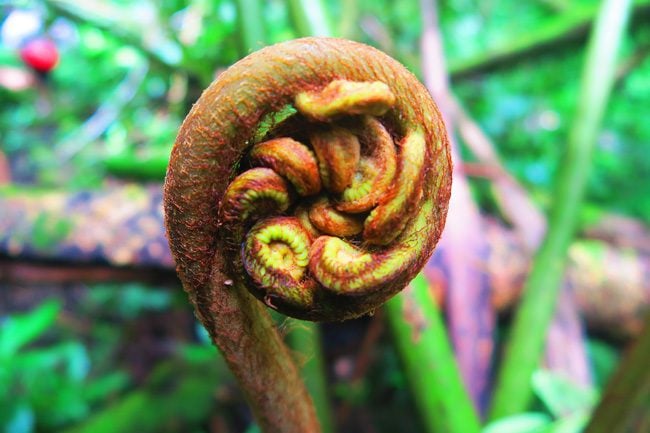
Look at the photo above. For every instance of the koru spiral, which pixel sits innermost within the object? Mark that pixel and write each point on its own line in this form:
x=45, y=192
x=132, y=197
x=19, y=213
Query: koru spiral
x=315, y=173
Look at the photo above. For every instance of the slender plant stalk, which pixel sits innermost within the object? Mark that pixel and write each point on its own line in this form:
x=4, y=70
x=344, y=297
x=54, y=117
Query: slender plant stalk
x=309, y=17
x=513, y=392
x=304, y=339
x=433, y=376
x=349, y=23
x=269, y=379
x=251, y=32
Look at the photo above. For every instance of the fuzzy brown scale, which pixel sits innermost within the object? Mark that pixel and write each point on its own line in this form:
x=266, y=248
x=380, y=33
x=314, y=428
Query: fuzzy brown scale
x=374, y=102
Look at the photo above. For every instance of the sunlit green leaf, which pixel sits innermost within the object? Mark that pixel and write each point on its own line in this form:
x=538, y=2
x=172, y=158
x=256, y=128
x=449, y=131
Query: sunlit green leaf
x=531, y=422
x=560, y=395
x=574, y=423
x=20, y=419
x=20, y=329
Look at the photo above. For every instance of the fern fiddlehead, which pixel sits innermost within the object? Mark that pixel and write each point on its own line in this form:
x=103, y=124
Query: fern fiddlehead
x=313, y=174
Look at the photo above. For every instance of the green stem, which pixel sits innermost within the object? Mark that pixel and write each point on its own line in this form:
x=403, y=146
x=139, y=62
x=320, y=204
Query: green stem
x=250, y=19
x=309, y=17
x=349, y=22
x=513, y=392
x=304, y=338
x=428, y=360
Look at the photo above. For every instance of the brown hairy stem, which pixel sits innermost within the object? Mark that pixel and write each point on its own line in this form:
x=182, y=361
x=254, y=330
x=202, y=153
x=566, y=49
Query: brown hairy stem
x=315, y=94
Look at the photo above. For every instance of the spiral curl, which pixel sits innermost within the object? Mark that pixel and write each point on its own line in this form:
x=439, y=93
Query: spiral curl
x=314, y=173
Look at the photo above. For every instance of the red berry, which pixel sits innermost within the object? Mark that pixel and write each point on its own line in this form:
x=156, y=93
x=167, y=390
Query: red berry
x=40, y=54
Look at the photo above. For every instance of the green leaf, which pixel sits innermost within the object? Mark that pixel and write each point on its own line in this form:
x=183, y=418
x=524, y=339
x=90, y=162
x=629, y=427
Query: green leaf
x=604, y=358
x=129, y=299
x=574, y=423
x=253, y=428
x=21, y=329
x=560, y=395
x=178, y=396
x=70, y=356
x=21, y=420
x=100, y=388
x=530, y=422
x=51, y=379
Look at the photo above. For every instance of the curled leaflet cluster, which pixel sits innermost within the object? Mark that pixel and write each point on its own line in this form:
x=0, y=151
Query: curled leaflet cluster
x=330, y=192
x=341, y=183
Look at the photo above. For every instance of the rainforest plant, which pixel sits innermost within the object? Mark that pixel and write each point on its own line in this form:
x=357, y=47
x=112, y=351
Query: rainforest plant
x=313, y=175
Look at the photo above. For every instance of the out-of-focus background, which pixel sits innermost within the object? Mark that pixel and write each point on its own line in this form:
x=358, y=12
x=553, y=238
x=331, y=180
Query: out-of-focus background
x=96, y=334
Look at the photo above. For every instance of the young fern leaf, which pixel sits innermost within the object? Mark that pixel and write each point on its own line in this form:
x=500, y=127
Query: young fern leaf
x=322, y=216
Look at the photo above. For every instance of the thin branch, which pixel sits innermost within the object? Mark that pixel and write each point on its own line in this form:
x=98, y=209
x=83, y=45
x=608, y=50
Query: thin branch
x=572, y=25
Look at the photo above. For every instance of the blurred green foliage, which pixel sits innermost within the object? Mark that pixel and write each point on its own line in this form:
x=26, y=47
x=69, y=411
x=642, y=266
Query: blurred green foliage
x=527, y=110
x=45, y=386
x=567, y=408
x=113, y=104
x=54, y=378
